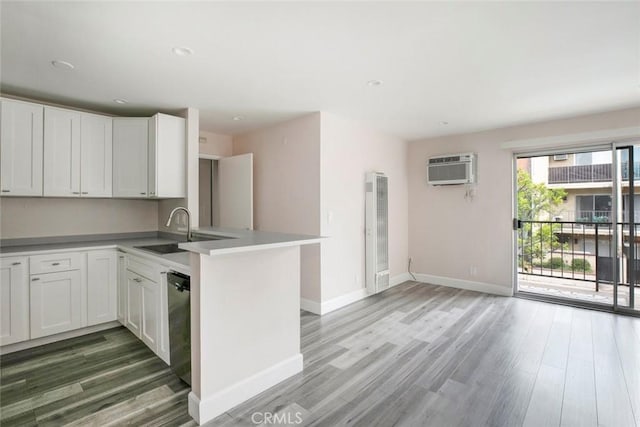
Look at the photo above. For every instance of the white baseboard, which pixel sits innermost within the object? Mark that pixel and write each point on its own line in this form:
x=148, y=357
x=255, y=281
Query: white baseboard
x=400, y=278
x=346, y=299
x=204, y=410
x=310, y=306
x=10, y=348
x=488, y=288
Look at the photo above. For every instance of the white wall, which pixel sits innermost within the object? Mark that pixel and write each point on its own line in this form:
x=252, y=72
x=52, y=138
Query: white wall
x=450, y=235
x=44, y=217
x=287, y=186
x=348, y=151
x=216, y=144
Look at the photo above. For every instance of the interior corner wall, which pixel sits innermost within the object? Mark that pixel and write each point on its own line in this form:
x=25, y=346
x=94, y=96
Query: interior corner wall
x=287, y=187
x=215, y=144
x=348, y=151
x=461, y=239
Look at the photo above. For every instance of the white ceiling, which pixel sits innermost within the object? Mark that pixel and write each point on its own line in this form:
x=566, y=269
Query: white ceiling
x=475, y=65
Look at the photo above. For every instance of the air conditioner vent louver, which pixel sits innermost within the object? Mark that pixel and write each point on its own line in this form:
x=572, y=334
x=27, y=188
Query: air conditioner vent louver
x=377, y=232
x=452, y=169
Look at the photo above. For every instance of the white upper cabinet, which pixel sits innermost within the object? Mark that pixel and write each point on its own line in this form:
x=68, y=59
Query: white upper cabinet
x=61, y=152
x=21, y=138
x=167, y=157
x=130, y=152
x=96, y=157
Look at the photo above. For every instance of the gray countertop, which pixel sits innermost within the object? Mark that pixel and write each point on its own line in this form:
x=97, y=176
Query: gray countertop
x=244, y=241
x=234, y=241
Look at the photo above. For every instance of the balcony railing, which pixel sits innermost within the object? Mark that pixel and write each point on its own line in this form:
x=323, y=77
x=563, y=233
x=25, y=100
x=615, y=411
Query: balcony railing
x=581, y=173
x=579, y=250
x=589, y=173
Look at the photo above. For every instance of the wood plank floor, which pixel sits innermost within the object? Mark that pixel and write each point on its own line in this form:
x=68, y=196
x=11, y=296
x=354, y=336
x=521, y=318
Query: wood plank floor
x=415, y=355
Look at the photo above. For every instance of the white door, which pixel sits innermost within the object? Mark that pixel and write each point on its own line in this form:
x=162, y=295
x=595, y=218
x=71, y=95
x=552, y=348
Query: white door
x=96, y=155
x=102, y=285
x=61, y=152
x=122, y=289
x=21, y=148
x=150, y=314
x=134, y=303
x=14, y=300
x=55, y=303
x=235, y=178
x=130, y=162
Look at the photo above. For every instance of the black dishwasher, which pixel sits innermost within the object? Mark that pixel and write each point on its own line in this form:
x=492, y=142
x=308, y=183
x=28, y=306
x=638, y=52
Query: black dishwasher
x=178, y=292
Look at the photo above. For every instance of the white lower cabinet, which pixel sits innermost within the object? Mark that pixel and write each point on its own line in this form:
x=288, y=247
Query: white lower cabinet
x=102, y=286
x=51, y=293
x=163, y=338
x=14, y=300
x=150, y=313
x=134, y=303
x=55, y=303
x=146, y=304
x=122, y=289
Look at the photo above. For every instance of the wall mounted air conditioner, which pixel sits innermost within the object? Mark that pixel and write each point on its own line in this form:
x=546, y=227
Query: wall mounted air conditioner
x=376, y=232
x=452, y=169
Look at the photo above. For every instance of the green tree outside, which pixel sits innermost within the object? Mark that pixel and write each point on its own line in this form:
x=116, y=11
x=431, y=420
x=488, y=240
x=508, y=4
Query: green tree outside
x=536, y=200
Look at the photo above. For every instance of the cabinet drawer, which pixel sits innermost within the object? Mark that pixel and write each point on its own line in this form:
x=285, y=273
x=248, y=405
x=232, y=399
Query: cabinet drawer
x=51, y=263
x=143, y=267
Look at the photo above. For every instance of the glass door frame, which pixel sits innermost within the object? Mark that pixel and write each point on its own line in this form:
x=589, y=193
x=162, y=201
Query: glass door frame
x=616, y=213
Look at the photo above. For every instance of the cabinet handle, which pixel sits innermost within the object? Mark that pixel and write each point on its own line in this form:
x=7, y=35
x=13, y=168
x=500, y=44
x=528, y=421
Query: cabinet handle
x=121, y=256
x=85, y=192
x=6, y=191
x=16, y=263
x=35, y=279
x=137, y=280
x=144, y=194
x=75, y=192
x=55, y=263
x=153, y=194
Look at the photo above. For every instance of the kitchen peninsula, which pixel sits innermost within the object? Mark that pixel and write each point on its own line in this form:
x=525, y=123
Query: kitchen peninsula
x=245, y=316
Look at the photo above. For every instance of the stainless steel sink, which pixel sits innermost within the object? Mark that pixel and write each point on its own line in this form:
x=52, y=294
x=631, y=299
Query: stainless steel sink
x=172, y=248
x=167, y=248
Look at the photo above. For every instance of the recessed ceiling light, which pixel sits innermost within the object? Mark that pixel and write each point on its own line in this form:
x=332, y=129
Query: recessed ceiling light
x=62, y=64
x=237, y=118
x=374, y=82
x=120, y=101
x=443, y=123
x=182, y=51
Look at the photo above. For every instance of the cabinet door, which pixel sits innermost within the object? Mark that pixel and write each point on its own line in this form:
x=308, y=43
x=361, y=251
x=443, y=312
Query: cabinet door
x=122, y=289
x=130, y=151
x=14, y=300
x=150, y=314
x=163, y=337
x=167, y=156
x=134, y=303
x=96, y=145
x=55, y=304
x=102, y=285
x=61, y=152
x=21, y=133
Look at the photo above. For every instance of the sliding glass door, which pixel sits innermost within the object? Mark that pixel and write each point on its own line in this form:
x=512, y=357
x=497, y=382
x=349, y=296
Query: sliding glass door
x=576, y=226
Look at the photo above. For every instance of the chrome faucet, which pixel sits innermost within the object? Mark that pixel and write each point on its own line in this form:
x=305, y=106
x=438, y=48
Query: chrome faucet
x=181, y=208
